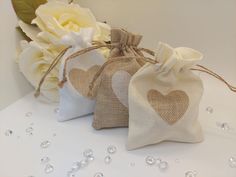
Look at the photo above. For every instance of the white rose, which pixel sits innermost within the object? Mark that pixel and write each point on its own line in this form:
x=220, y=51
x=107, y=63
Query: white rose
x=57, y=18
x=34, y=61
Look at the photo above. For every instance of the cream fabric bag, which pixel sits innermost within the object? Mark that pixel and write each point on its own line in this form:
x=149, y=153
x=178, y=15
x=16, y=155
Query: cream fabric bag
x=164, y=99
x=79, y=73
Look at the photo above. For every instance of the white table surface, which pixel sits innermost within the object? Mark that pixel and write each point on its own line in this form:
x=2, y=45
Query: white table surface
x=20, y=153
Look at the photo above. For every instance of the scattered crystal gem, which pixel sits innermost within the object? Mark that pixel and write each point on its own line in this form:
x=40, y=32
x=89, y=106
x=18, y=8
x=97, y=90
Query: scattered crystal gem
x=132, y=164
x=209, y=110
x=83, y=163
x=163, y=165
x=223, y=126
x=177, y=161
x=75, y=167
x=70, y=174
x=158, y=161
x=32, y=124
x=232, y=162
x=48, y=168
x=54, y=134
x=28, y=114
x=99, y=174
x=30, y=134
x=90, y=158
x=150, y=160
x=190, y=174
x=107, y=159
x=45, y=144
x=56, y=110
x=88, y=153
x=29, y=130
x=45, y=160
x=8, y=132
x=111, y=149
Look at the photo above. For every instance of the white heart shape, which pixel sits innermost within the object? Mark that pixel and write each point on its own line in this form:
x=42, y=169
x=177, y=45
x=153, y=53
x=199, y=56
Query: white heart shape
x=120, y=86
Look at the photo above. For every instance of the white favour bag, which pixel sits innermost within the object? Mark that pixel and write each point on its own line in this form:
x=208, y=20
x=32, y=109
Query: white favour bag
x=80, y=71
x=164, y=99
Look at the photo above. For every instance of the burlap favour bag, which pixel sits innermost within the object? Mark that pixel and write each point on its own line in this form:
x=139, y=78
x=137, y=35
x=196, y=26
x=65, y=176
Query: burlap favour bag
x=164, y=99
x=111, y=108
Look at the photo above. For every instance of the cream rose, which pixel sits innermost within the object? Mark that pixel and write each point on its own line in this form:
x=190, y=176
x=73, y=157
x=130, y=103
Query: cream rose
x=34, y=61
x=54, y=20
x=36, y=58
x=57, y=18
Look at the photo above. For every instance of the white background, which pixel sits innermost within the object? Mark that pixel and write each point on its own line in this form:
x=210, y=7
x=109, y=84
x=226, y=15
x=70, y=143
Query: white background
x=206, y=25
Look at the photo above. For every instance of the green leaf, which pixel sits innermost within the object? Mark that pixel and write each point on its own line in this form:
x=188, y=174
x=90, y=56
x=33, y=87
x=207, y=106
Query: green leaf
x=23, y=34
x=25, y=9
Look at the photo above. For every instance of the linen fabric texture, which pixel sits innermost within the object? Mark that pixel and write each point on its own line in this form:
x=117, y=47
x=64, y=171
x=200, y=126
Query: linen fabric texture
x=164, y=99
x=80, y=71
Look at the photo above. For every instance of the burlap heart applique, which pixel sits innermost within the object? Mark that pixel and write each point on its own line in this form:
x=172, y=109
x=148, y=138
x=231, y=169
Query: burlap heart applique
x=120, y=85
x=170, y=107
x=81, y=79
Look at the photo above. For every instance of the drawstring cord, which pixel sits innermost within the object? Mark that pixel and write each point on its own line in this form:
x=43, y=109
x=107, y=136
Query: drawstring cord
x=78, y=53
x=51, y=67
x=137, y=55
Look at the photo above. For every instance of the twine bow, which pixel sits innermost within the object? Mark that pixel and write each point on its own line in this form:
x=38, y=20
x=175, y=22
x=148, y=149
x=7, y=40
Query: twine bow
x=198, y=67
x=126, y=48
x=123, y=46
x=51, y=67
